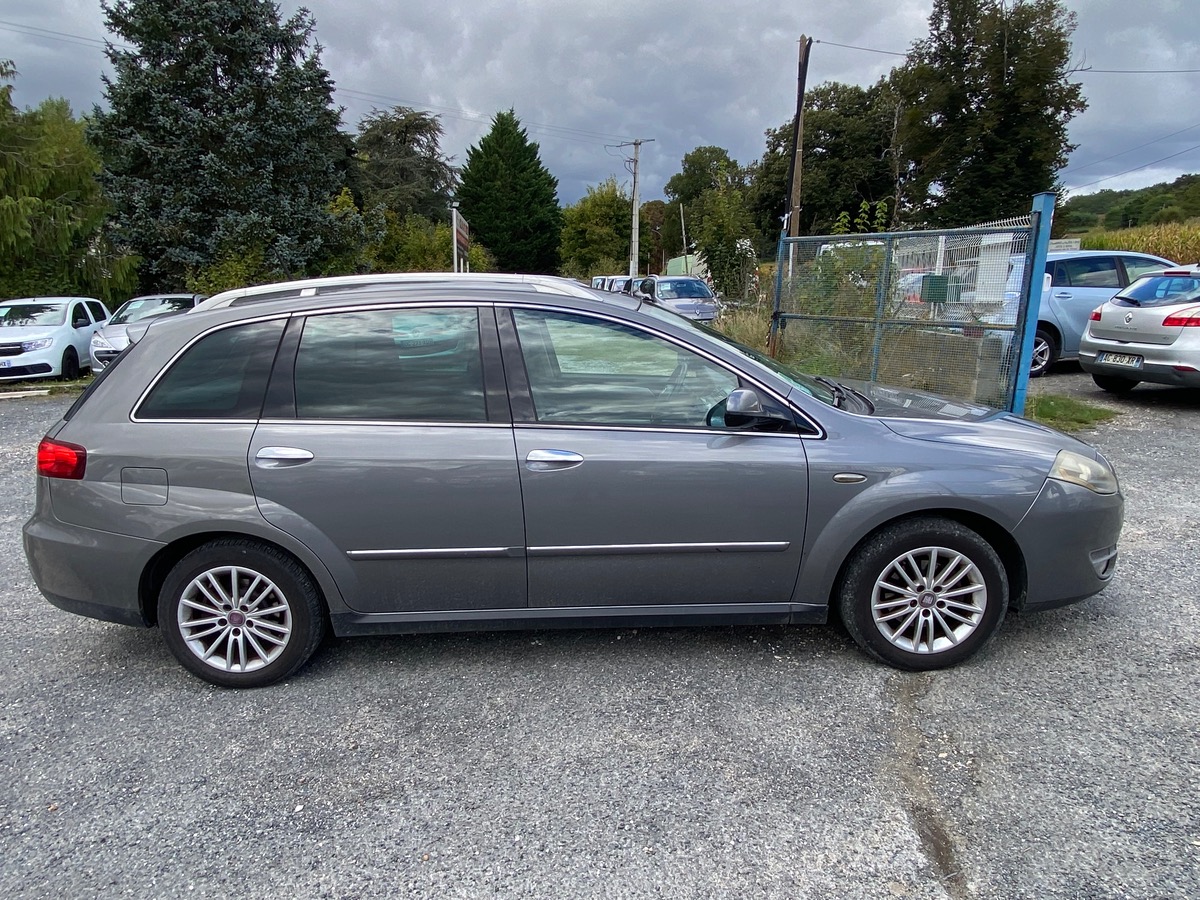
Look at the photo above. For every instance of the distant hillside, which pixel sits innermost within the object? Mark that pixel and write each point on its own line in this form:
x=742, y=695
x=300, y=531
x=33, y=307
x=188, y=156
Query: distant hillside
x=1159, y=203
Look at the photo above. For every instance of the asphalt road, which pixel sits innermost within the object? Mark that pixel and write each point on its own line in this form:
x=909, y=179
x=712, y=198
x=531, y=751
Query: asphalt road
x=730, y=762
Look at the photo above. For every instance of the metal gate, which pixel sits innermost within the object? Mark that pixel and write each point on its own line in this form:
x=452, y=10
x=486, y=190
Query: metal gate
x=940, y=311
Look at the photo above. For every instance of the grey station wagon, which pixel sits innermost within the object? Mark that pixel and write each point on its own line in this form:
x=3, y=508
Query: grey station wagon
x=481, y=452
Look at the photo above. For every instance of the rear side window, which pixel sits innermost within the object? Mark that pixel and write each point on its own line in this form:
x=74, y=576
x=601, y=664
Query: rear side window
x=421, y=365
x=221, y=376
x=97, y=311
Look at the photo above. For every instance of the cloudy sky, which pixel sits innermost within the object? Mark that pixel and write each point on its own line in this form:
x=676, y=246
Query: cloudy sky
x=586, y=75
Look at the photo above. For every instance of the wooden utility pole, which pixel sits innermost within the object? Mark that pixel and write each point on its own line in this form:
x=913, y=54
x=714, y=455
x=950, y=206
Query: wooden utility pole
x=793, y=205
x=633, y=238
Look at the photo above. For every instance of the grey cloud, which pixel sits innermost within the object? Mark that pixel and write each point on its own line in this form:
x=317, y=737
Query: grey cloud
x=581, y=75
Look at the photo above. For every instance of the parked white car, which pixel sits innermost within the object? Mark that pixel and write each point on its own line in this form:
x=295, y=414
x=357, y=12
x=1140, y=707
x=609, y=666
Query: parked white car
x=48, y=337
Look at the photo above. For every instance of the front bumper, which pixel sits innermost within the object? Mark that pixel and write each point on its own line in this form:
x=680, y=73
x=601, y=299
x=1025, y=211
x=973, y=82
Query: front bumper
x=1069, y=541
x=34, y=364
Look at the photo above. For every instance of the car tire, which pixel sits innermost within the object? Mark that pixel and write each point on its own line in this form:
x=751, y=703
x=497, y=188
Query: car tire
x=70, y=365
x=1115, y=384
x=1045, y=353
x=240, y=614
x=923, y=594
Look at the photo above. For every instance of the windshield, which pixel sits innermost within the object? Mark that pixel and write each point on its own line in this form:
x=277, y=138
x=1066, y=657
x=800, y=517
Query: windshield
x=797, y=379
x=1160, y=290
x=17, y=315
x=136, y=310
x=684, y=288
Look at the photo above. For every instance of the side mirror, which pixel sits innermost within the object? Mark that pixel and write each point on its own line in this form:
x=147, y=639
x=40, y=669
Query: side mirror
x=744, y=409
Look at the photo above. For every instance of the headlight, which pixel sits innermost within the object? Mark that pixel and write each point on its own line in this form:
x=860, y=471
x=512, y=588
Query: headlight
x=1095, y=475
x=99, y=341
x=29, y=346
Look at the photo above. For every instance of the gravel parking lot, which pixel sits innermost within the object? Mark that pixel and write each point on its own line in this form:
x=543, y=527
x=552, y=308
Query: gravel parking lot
x=758, y=762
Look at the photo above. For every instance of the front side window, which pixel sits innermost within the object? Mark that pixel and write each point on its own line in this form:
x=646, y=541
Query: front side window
x=221, y=376
x=1090, y=271
x=420, y=365
x=596, y=372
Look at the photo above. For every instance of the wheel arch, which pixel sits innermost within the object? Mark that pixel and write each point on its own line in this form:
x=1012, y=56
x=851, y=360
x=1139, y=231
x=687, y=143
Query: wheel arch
x=156, y=570
x=996, y=535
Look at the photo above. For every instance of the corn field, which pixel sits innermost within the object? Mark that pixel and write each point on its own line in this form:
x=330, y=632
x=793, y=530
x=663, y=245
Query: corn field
x=1177, y=241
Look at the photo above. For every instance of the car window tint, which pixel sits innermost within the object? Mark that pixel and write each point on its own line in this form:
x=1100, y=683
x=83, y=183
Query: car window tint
x=393, y=364
x=1091, y=271
x=79, y=316
x=97, y=310
x=221, y=376
x=1164, y=290
x=1137, y=265
x=592, y=371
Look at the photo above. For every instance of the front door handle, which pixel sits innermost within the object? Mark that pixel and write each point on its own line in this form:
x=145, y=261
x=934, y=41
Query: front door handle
x=281, y=457
x=550, y=460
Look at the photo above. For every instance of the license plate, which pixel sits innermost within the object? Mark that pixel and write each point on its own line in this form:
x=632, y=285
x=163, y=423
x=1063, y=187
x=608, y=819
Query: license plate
x=1121, y=359
x=4, y=363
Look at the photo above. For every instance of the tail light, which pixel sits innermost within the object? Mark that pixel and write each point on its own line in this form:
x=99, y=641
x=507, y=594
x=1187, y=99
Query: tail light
x=1184, y=318
x=1095, y=316
x=58, y=459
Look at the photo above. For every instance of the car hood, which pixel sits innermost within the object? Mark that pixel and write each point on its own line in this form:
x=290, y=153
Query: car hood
x=26, y=333
x=928, y=417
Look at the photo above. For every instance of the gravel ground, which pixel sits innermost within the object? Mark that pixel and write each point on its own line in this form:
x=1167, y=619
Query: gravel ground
x=765, y=762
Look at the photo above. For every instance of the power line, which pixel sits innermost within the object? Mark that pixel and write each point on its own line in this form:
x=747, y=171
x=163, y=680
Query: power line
x=1131, y=149
x=864, y=49
x=1135, y=169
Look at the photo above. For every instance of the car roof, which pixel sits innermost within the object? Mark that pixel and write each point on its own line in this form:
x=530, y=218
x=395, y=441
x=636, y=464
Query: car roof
x=445, y=289
x=46, y=300
x=1055, y=255
x=310, y=287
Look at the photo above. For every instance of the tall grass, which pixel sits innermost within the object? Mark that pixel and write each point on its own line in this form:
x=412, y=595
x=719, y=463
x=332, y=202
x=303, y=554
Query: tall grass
x=1177, y=241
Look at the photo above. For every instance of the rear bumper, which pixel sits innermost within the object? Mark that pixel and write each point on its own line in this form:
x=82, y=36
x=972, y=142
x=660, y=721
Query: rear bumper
x=88, y=572
x=1069, y=541
x=1156, y=368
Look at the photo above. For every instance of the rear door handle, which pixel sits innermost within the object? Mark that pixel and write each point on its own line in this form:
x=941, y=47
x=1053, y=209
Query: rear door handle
x=281, y=457
x=1063, y=295
x=550, y=460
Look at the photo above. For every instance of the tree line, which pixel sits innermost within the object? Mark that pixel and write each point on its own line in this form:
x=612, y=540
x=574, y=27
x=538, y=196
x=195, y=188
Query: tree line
x=220, y=160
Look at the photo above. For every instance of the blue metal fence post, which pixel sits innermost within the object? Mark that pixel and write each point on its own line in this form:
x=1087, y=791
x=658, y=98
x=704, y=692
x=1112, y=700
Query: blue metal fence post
x=1043, y=218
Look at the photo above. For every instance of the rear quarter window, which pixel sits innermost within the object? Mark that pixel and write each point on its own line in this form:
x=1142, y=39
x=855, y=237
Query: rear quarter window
x=221, y=376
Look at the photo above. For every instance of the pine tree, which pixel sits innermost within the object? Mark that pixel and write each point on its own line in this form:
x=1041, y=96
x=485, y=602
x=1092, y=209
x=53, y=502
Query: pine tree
x=401, y=166
x=221, y=140
x=511, y=200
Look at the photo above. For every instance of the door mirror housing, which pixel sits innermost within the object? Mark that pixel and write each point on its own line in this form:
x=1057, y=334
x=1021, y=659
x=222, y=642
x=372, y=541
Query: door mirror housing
x=744, y=409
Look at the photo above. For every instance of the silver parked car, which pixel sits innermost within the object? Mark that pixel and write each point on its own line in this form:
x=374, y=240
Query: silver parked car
x=110, y=340
x=686, y=294
x=477, y=453
x=1150, y=331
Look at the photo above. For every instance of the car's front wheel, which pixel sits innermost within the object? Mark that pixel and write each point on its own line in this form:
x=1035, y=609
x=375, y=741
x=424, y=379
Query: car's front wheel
x=1115, y=384
x=70, y=365
x=923, y=594
x=240, y=614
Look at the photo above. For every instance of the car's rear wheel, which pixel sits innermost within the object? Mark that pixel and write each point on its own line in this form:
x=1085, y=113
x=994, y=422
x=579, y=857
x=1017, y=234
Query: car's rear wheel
x=1045, y=353
x=240, y=614
x=1115, y=384
x=923, y=594
x=70, y=365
